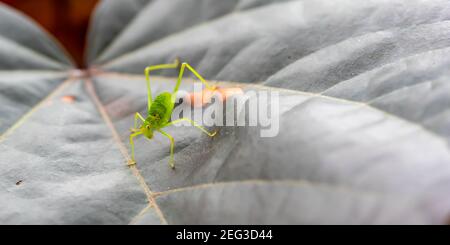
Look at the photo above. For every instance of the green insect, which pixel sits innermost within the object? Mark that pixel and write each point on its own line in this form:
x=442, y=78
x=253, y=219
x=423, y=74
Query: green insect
x=160, y=111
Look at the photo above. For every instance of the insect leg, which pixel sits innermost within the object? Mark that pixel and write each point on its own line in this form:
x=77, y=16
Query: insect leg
x=133, y=159
x=137, y=117
x=154, y=68
x=204, y=130
x=180, y=77
x=172, y=146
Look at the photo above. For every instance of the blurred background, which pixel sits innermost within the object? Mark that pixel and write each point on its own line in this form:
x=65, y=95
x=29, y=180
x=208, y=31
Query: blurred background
x=67, y=20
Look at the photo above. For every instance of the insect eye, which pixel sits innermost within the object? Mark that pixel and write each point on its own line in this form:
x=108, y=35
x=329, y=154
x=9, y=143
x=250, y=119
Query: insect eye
x=148, y=127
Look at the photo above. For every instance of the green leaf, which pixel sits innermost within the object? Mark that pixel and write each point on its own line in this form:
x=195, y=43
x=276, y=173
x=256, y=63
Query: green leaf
x=58, y=160
x=364, y=103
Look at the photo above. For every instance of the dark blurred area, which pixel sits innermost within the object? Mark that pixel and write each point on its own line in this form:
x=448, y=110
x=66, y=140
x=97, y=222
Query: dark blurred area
x=67, y=20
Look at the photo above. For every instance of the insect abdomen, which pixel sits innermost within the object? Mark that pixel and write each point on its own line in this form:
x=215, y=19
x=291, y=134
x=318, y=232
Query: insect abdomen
x=161, y=110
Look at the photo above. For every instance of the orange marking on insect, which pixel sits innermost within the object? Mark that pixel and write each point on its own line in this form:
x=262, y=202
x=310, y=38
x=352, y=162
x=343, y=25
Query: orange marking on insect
x=200, y=99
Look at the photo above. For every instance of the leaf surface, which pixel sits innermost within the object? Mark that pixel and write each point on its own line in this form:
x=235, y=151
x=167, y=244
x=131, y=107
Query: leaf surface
x=363, y=116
